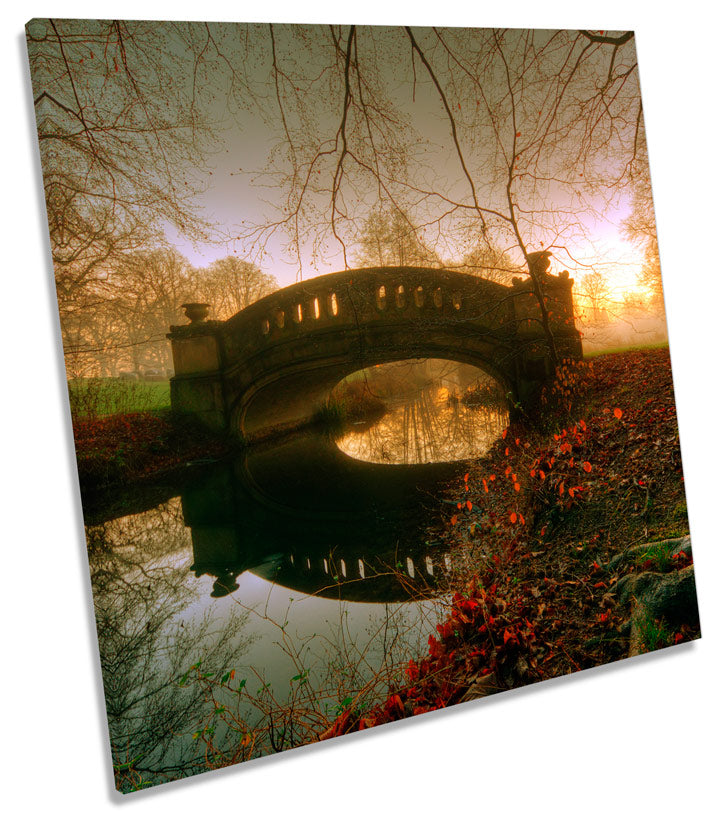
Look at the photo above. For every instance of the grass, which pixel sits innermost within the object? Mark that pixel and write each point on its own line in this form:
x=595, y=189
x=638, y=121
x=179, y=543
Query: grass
x=333, y=416
x=348, y=403
x=99, y=397
x=658, y=345
x=652, y=634
x=656, y=558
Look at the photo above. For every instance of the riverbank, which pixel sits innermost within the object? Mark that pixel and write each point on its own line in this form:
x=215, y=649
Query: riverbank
x=125, y=436
x=135, y=448
x=571, y=541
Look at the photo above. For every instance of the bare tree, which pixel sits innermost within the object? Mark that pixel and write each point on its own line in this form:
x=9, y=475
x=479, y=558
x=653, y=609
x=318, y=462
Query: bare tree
x=489, y=263
x=594, y=294
x=502, y=141
x=517, y=138
x=388, y=238
x=639, y=228
x=123, y=131
x=123, y=322
x=231, y=284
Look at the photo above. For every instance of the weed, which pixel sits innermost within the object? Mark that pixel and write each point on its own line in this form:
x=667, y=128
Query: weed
x=97, y=397
x=652, y=634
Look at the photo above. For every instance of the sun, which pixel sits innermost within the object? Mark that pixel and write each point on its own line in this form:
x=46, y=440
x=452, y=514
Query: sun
x=610, y=254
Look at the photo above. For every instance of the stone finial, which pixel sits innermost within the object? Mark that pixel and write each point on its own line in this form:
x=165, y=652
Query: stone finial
x=539, y=263
x=196, y=311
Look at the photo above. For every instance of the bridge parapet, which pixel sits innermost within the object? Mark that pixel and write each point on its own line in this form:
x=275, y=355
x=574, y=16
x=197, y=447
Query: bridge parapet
x=312, y=332
x=344, y=301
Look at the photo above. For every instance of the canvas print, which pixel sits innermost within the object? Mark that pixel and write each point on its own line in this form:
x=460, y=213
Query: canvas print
x=368, y=370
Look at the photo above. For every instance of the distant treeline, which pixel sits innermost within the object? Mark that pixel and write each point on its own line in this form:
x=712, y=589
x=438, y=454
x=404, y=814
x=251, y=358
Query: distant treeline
x=116, y=324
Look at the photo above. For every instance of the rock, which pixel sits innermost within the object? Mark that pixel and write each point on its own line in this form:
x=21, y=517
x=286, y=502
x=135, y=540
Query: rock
x=668, y=548
x=670, y=596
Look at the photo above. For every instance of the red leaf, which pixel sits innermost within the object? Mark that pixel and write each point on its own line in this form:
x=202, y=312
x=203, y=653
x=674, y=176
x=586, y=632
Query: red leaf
x=617, y=412
x=587, y=466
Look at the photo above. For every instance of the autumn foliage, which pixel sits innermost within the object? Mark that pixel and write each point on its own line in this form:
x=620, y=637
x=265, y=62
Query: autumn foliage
x=537, y=523
x=130, y=447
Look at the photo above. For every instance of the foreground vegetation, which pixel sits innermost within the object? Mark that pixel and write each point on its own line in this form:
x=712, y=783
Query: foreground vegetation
x=95, y=397
x=568, y=543
x=570, y=538
x=135, y=447
x=125, y=433
x=558, y=532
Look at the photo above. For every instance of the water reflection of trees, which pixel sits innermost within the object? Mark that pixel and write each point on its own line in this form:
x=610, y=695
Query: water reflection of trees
x=155, y=634
x=346, y=669
x=148, y=637
x=170, y=717
x=434, y=425
x=152, y=631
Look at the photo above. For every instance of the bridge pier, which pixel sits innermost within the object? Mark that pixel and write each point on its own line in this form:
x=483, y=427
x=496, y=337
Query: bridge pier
x=197, y=387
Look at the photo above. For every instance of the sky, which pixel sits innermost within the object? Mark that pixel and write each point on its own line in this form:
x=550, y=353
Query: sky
x=235, y=196
x=231, y=199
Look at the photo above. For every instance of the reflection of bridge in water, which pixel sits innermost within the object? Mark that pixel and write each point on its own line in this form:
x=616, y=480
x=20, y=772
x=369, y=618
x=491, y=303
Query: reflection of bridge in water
x=355, y=530
x=273, y=364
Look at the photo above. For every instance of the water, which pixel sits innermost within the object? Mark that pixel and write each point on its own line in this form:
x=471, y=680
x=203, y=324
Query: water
x=310, y=574
x=434, y=426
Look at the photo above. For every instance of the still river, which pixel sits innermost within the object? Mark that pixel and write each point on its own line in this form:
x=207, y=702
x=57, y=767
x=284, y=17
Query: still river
x=306, y=565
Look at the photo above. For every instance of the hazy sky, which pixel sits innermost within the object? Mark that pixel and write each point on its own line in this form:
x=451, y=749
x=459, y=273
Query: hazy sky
x=398, y=131
x=236, y=195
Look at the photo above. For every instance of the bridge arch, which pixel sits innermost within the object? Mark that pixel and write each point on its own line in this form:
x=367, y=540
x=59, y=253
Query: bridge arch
x=302, y=393
x=273, y=364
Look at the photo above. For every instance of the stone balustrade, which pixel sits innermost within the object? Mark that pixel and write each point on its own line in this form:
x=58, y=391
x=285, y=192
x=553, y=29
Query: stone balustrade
x=285, y=352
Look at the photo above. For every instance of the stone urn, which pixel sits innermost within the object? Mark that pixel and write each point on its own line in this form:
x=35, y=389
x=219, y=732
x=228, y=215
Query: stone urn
x=196, y=311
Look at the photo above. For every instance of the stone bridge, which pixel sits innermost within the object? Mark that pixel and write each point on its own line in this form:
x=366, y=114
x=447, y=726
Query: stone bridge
x=273, y=364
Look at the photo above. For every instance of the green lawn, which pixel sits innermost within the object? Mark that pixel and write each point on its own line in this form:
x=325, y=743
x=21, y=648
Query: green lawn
x=95, y=397
x=657, y=345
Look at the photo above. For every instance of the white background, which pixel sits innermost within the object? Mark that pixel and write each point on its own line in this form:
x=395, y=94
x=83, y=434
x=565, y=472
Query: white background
x=640, y=737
